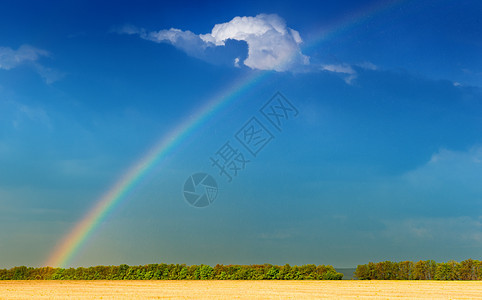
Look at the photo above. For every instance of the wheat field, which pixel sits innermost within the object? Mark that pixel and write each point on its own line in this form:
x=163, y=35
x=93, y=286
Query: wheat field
x=348, y=289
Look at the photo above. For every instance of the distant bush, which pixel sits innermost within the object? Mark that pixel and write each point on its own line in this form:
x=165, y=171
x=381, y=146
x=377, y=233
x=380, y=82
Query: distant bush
x=175, y=272
x=422, y=270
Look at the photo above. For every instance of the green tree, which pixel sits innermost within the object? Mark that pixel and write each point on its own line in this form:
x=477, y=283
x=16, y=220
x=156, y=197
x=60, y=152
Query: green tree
x=272, y=273
x=443, y=271
x=285, y=272
x=361, y=272
x=467, y=270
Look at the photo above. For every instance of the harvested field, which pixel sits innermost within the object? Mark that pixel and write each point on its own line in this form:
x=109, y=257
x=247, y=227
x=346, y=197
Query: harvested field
x=240, y=289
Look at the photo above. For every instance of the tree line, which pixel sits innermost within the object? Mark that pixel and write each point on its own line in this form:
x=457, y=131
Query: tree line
x=175, y=272
x=422, y=270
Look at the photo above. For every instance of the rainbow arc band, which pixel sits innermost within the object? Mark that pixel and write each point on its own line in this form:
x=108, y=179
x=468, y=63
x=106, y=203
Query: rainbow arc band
x=105, y=205
x=72, y=243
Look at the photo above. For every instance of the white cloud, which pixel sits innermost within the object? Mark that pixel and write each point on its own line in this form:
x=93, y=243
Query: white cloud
x=25, y=54
x=10, y=58
x=343, y=69
x=271, y=44
x=339, y=69
x=129, y=29
x=48, y=74
x=187, y=41
x=444, y=194
x=449, y=168
x=457, y=157
x=368, y=66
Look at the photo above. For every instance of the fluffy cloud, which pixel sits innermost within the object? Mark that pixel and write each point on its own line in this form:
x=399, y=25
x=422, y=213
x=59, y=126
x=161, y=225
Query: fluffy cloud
x=271, y=44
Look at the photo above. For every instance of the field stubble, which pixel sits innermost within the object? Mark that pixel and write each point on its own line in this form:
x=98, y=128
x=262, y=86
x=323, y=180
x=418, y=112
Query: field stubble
x=197, y=289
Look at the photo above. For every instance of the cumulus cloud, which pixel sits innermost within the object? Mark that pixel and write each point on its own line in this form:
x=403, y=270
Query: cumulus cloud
x=271, y=44
x=25, y=54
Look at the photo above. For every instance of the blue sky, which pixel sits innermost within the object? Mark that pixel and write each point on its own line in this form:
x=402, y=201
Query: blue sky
x=383, y=161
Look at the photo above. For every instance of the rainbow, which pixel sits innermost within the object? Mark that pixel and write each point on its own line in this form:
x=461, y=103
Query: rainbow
x=77, y=237
x=344, y=24
x=71, y=245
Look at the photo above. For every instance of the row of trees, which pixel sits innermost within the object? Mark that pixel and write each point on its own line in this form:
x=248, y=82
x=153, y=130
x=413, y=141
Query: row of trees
x=175, y=272
x=422, y=270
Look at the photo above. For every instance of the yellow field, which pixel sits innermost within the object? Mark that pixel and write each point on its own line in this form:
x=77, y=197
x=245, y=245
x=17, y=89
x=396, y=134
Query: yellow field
x=240, y=289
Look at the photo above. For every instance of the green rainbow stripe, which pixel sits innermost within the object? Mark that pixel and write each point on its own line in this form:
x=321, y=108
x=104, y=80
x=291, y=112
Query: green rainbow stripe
x=76, y=238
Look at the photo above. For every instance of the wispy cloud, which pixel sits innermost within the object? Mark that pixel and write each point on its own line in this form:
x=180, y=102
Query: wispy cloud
x=452, y=230
x=48, y=74
x=368, y=66
x=10, y=58
x=345, y=69
x=448, y=168
x=19, y=114
x=26, y=54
